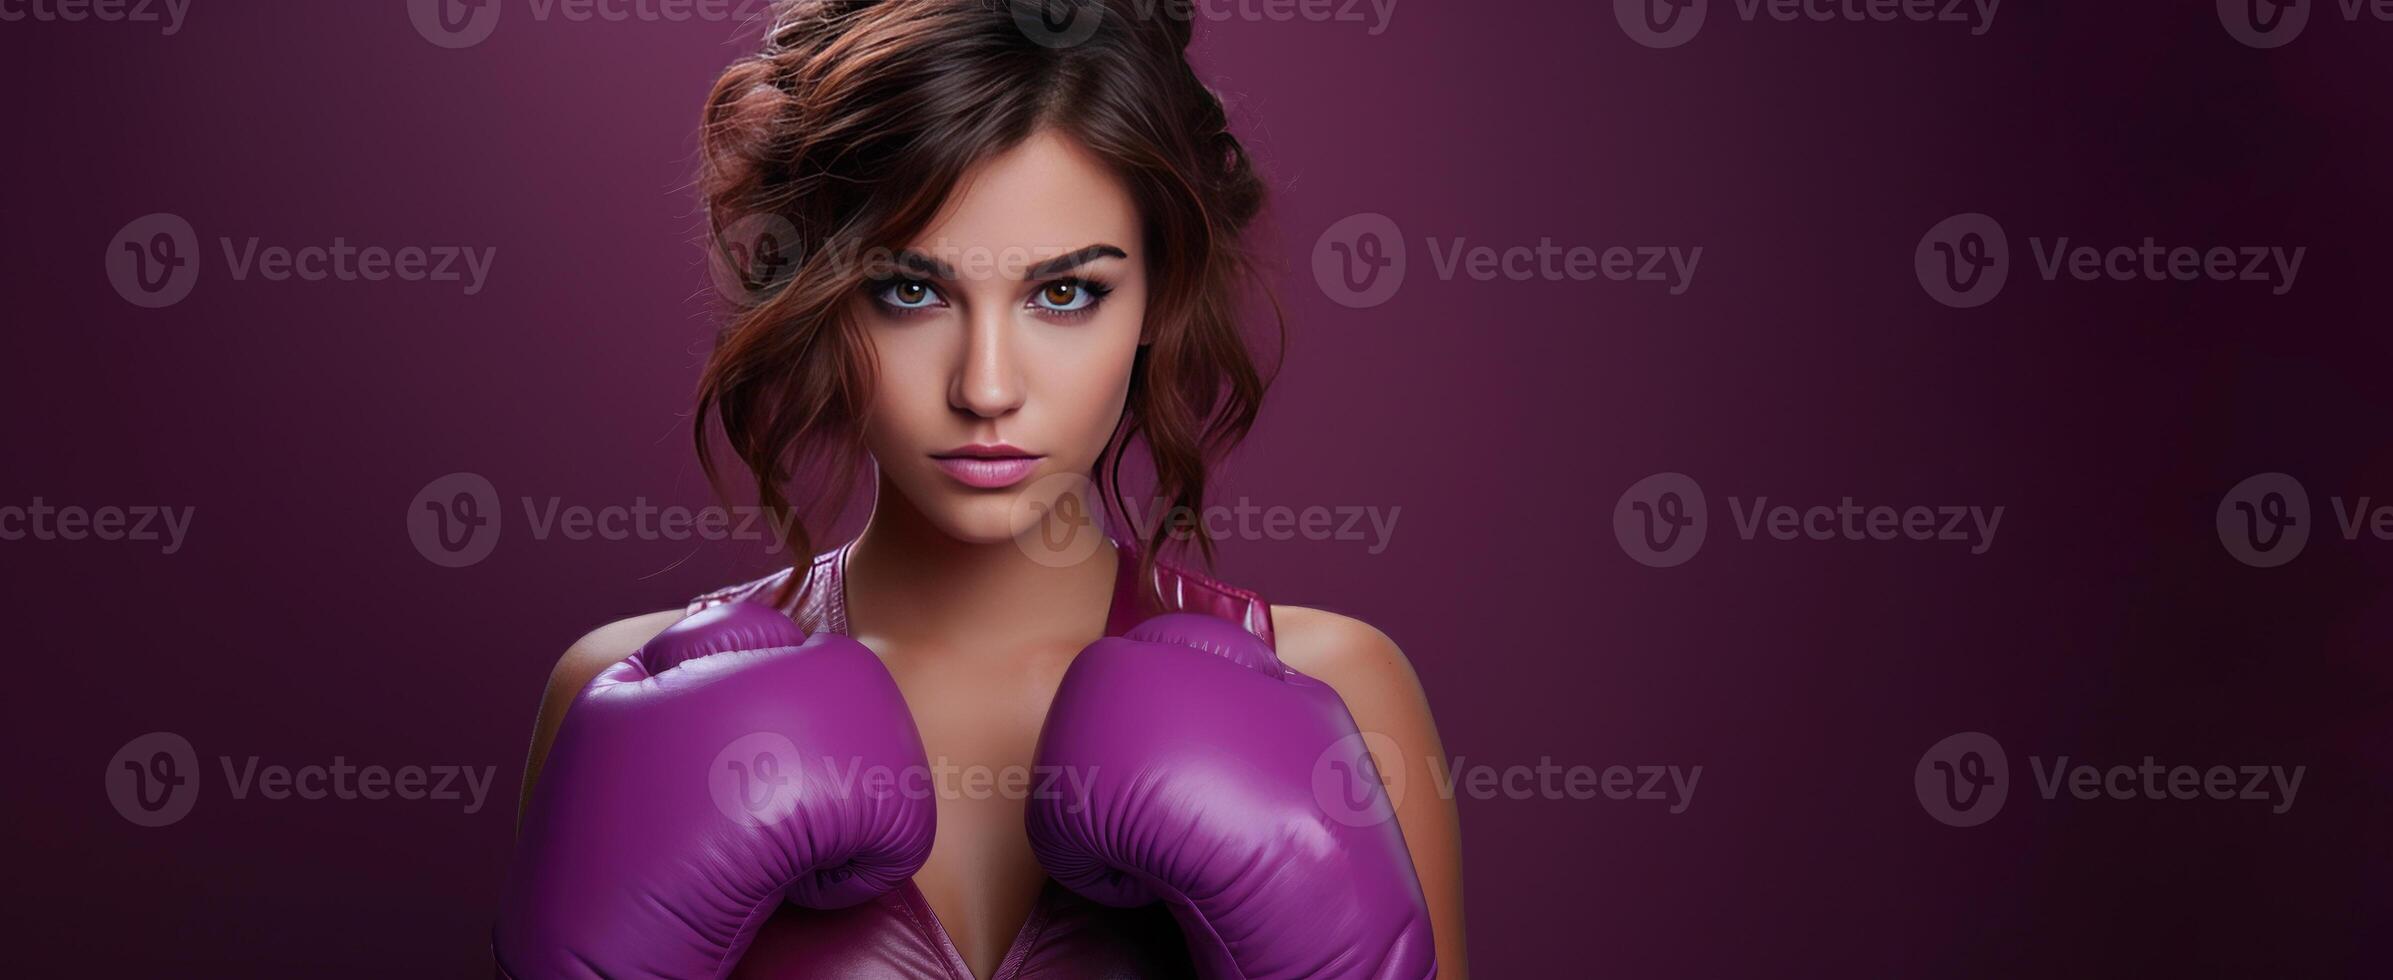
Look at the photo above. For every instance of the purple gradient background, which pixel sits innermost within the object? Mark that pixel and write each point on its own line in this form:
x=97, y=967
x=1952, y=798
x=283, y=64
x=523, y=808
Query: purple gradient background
x=1805, y=364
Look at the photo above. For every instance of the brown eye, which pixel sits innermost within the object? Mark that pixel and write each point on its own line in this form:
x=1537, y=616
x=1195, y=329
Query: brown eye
x=1067, y=296
x=909, y=294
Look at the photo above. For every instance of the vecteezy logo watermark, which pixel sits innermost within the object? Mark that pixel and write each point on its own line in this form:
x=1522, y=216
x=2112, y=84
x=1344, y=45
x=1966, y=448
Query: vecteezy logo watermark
x=1964, y=261
x=753, y=256
x=1670, y=23
x=1068, y=23
x=169, y=13
x=454, y=521
x=454, y=23
x=1354, y=788
x=464, y=23
x=1350, y=785
x=1661, y=23
x=154, y=781
x=1360, y=261
x=2264, y=23
x=154, y=261
x=1057, y=23
x=2275, y=23
x=760, y=779
x=1061, y=522
x=41, y=521
x=1063, y=526
x=756, y=780
x=1660, y=521
x=1964, y=780
x=2264, y=521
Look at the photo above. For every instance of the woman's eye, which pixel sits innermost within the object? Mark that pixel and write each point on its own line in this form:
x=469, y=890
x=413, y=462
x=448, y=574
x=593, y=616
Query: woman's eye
x=1066, y=296
x=909, y=294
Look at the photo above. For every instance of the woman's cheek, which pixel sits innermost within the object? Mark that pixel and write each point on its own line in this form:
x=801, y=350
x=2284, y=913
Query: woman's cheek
x=908, y=396
x=1100, y=383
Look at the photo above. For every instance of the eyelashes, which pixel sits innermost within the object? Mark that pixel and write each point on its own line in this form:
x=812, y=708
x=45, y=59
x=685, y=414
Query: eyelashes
x=906, y=295
x=1071, y=295
x=1068, y=299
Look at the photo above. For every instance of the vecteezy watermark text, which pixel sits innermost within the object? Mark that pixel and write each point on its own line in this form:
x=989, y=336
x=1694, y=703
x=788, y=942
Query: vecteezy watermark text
x=1069, y=23
x=1361, y=779
x=1547, y=779
x=755, y=780
x=1965, y=779
x=1663, y=520
x=42, y=521
x=167, y=13
x=1247, y=520
x=1361, y=261
x=1670, y=23
x=154, y=781
x=1965, y=260
x=154, y=261
x=465, y=23
x=1065, y=526
x=454, y=521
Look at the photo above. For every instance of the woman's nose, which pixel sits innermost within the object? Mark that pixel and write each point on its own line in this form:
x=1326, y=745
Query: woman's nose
x=989, y=382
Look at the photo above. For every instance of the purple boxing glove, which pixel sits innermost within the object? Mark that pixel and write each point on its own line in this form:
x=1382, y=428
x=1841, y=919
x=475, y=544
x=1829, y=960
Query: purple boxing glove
x=729, y=765
x=1196, y=761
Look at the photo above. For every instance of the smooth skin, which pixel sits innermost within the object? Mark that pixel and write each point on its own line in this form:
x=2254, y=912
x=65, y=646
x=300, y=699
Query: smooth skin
x=994, y=343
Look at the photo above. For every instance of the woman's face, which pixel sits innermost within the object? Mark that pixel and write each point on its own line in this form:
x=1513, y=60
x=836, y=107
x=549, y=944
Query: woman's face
x=1004, y=338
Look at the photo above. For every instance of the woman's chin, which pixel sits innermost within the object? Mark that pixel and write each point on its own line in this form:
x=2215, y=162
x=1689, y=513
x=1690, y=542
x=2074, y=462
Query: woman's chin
x=984, y=517
x=1046, y=515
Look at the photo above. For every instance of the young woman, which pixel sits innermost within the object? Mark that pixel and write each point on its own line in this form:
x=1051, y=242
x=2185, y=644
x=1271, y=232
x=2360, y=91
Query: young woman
x=1018, y=260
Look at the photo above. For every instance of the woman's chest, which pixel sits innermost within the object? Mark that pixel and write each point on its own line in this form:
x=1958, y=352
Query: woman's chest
x=979, y=719
x=980, y=727
x=981, y=907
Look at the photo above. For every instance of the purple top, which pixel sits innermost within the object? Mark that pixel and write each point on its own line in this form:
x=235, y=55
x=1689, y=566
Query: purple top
x=896, y=936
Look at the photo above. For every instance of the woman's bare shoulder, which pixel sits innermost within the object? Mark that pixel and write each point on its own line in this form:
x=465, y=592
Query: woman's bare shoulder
x=595, y=651
x=605, y=646
x=1383, y=694
x=1351, y=656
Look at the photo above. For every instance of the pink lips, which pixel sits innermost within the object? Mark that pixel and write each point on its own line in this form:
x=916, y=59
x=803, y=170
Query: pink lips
x=987, y=467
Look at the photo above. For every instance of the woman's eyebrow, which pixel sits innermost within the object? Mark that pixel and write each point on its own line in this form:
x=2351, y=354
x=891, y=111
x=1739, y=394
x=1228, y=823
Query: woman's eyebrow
x=916, y=264
x=1073, y=258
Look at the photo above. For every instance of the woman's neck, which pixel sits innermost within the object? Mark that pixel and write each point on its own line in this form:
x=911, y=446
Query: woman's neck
x=914, y=585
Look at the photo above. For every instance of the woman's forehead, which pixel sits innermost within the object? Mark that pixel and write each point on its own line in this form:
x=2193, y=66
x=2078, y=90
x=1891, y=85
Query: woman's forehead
x=1045, y=196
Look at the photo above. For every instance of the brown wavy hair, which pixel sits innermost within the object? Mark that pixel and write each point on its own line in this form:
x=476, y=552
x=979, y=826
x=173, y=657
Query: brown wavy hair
x=848, y=131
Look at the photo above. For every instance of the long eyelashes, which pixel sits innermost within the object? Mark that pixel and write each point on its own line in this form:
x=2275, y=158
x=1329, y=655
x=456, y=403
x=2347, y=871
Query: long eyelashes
x=903, y=295
x=1072, y=297
x=1069, y=299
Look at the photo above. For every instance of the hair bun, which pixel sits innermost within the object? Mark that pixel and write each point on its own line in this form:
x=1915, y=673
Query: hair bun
x=742, y=127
